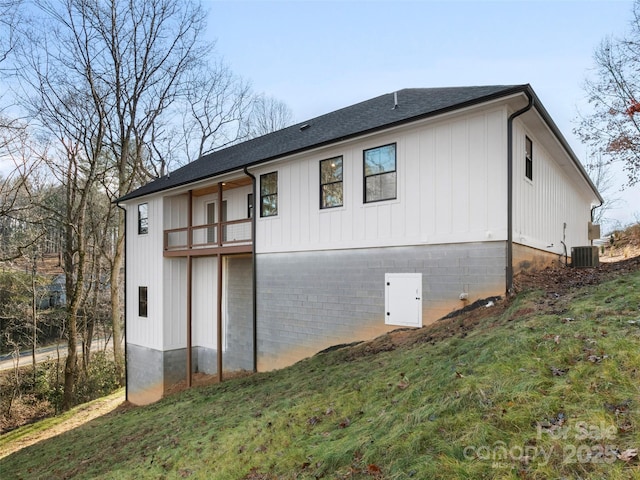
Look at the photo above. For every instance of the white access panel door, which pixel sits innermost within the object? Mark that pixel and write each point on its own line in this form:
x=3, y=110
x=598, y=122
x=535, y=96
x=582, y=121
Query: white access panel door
x=403, y=299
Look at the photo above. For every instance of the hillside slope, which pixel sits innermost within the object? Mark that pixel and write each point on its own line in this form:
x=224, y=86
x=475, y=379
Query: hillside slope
x=544, y=385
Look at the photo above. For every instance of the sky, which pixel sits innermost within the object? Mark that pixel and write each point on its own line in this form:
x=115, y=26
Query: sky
x=319, y=56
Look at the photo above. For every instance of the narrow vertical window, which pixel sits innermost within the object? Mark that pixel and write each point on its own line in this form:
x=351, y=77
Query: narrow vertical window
x=211, y=220
x=142, y=301
x=269, y=194
x=380, y=173
x=331, y=183
x=250, y=205
x=528, y=158
x=143, y=219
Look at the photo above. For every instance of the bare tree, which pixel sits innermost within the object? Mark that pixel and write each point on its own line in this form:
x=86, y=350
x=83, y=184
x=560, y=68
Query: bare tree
x=613, y=129
x=105, y=75
x=218, y=107
x=268, y=115
x=9, y=20
x=104, y=82
x=600, y=172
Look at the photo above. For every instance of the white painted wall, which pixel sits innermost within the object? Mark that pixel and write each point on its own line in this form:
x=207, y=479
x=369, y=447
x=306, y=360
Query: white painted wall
x=145, y=268
x=451, y=188
x=553, y=198
x=236, y=205
x=205, y=310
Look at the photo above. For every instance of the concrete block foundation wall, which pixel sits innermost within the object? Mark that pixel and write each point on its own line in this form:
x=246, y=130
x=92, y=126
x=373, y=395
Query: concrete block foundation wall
x=308, y=301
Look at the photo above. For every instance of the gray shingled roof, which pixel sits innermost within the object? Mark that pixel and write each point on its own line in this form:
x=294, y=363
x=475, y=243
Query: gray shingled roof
x=368, y=116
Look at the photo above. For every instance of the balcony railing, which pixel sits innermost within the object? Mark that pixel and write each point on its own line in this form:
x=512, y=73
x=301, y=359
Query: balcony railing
x=235, y=232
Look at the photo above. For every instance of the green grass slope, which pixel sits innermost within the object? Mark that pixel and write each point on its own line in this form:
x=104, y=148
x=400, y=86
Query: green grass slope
x=545, y=386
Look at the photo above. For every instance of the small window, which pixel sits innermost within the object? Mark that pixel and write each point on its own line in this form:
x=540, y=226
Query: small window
x=142, y=301
x=380, y=173
x=250, y=205
x=143, y=219
x=331, y=183
x=211, y=220
x=528, y=159
x=269, y=194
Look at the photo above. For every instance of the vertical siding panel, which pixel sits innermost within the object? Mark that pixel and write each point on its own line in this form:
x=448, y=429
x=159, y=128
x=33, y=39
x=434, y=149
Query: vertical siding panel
x=205, y=280
x=460, y=177
x=411, y=194
x=354, y=191
x=174, y=303
x=478, y=172
x=497, y=175
x=443, y=180
x=383, y=211
x=427, y=184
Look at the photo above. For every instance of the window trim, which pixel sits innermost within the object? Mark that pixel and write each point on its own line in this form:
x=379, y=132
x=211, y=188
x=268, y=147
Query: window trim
x=143, y=229
x=143, y=301
x=394, y=171
x=263, y=196
x=528, y=158
x=341, y=182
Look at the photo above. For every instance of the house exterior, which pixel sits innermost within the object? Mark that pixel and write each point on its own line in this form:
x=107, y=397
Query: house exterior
x=391, y=212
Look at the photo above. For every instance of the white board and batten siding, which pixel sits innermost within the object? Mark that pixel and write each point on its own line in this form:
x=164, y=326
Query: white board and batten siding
x=145, y=268
x=554, y=197
x=236, y=200
x=451, y=187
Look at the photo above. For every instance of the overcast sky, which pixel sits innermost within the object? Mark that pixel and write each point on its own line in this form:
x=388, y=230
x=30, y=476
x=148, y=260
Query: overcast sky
x=318, y=56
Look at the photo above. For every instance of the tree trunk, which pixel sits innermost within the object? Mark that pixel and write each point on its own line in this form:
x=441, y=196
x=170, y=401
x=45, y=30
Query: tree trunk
x=34, y=316
x=71, y=365
x=116, y=307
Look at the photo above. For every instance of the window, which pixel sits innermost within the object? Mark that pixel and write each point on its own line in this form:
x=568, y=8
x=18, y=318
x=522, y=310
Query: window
x=331, y=182
x=143, y=219
x=250, y=205
x=528, y=159
x=211, y=220
x=380, y=173
x=269, y=194
x=142, y=301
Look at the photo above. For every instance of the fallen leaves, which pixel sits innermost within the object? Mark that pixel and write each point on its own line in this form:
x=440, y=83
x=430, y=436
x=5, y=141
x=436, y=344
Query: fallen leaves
x=558, y=372
x=628, y=454
x=344, y=423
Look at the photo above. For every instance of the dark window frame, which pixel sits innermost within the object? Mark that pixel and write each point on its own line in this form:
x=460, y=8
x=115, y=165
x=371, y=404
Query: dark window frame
x=331, y=184
x=393, y=173
x=268, y=200
x=143, y=302
x=528, y=158
x=143, y=218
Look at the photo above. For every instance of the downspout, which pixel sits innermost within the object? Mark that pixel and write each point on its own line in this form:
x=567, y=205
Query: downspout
x=189, y=289
x=254, y=265
x=510, y=190
x=219, y=260
x=126, y=374
x=592, y=209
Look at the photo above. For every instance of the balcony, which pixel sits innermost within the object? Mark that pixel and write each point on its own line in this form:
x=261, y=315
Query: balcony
x=201, y=240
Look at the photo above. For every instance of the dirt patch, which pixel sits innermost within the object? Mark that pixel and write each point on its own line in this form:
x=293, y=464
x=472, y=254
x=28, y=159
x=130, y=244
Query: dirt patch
x=201, y=379
x=562, y=279
x=82, y=415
